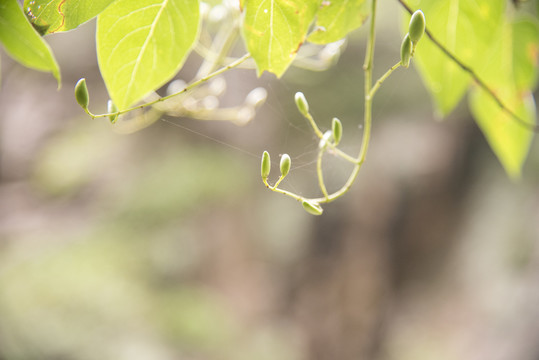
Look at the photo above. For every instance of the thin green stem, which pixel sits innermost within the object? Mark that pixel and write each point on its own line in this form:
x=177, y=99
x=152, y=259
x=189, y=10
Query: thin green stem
x=187, y=88
x=370, y=91
x=382, y=78
x=281, y=178
x=369, y=55
x=343, y=190
x=320, y=135
x=342, y=154
x=368, y=68
x=315, y=127
x=320, y=173
x=281, y=191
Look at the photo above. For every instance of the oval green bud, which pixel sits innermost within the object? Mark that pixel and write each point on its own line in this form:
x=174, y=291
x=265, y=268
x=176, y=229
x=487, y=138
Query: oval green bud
x=265, y=165
x=111, y=108
x=81, y=93
x=417, y=26
x=312, y=207
x=285, y=165
x=301, y=103
x=406, y=51
x=336, y=129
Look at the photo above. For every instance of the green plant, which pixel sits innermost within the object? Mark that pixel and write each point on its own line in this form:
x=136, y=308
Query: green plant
x=486, y=47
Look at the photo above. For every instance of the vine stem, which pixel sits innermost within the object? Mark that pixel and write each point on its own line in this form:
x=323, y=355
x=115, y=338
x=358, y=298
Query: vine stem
x=368, y=96
x=320, y=173
x=368, y=70
x=382, y=78
x=187, y=88
x=281, y=191
x=342, y=154
x=315, y=127
x=478, y=80
x=369, y=92
x=334, y=150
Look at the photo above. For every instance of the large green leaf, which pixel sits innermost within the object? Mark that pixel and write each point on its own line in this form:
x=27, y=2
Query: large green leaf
x=509, y=140
x=275, y=29
x=466, y=28
x=142, y=44
x=50, y=16
x=525, y=52
x=22, y=42
x=337, y=18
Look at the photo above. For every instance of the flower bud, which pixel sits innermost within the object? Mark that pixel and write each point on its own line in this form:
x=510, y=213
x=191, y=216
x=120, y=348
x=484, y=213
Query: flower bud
x=111, y=108
x=336, y=129
x=325, y=139
x=265, y=166
x=312, y=207
x=406, y=51
x=285, y=165
x=301, y=103
x=417, y=26
x=81, y=93
x=256, y=97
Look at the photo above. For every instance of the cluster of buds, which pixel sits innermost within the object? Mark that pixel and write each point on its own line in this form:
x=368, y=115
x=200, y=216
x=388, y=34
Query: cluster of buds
x=416, y=29
x=265, y=167
x=328, y=141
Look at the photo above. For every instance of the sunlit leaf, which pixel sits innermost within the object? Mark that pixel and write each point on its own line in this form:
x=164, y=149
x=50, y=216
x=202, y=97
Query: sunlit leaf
x=22, y=42
x=336, y=18
x=275, y=29
x=50, y=16
x=525, y=52
x=509, y=140
x=467, y=29
x=143, y=44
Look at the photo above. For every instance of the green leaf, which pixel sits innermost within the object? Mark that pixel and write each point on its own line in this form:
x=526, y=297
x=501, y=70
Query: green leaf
x=467, y=29
x=275, y=29
x=525, y=52
x=50, y=16
x=509, y=140
x=142, y=44
x=337, y=18
x=22, y=42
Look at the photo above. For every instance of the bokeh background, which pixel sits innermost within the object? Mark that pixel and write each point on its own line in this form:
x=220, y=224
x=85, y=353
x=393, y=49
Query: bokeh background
x=164, y=244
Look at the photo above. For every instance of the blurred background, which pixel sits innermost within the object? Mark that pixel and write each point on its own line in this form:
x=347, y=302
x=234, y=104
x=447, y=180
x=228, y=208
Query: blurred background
x=164, y=244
